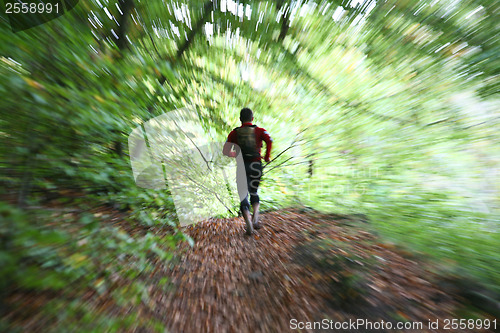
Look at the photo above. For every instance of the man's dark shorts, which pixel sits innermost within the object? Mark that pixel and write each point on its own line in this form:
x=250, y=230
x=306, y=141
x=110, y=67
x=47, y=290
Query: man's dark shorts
x=253, y=172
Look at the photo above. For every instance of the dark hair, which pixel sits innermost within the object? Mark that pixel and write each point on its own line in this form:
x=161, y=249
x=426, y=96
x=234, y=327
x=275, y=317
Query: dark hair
x=246, y=115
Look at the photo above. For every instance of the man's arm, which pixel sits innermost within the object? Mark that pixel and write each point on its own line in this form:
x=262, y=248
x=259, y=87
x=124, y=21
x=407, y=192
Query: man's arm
x=269, y=143
x=227, y=149
x=228, y=146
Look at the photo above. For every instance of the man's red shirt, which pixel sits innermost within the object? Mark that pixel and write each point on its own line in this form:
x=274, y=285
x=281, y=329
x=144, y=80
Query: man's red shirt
x=260, y=135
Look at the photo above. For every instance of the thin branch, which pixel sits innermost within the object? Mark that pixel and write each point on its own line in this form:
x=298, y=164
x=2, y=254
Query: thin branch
x=289, y=147
x=437, y=122
x=211, y=191
x=286, y=165
x=274, y=167
x=199, y=150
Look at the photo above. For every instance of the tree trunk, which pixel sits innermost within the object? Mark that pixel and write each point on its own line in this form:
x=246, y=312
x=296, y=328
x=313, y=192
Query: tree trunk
x=192, y=34
x=285, y=23
x=126, y=7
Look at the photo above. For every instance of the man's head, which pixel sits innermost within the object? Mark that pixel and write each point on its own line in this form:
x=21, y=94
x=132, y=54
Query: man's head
x=246, y=115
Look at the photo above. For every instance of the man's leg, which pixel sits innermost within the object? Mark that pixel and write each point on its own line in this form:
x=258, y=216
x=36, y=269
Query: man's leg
x=248, y=221
x=253, y=186
x=255, y=217
x=242, y=183
x=245, y=211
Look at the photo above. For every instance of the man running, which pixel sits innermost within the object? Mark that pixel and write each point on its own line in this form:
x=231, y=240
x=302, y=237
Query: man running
x=248, y=139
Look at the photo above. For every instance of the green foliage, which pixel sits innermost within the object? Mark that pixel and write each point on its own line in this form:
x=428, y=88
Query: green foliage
x=465, y=241
x=87, y=255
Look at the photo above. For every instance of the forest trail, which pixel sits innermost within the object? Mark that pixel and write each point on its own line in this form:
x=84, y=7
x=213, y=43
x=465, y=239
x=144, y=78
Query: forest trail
x=303, y=266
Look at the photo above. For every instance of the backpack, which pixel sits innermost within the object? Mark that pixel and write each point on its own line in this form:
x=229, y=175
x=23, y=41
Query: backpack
x=247, y=142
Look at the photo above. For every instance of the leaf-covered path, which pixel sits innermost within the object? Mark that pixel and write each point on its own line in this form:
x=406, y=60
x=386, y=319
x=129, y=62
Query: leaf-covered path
x=289, y=269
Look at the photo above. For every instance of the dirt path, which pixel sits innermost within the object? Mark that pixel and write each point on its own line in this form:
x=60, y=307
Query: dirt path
x=229, y=282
